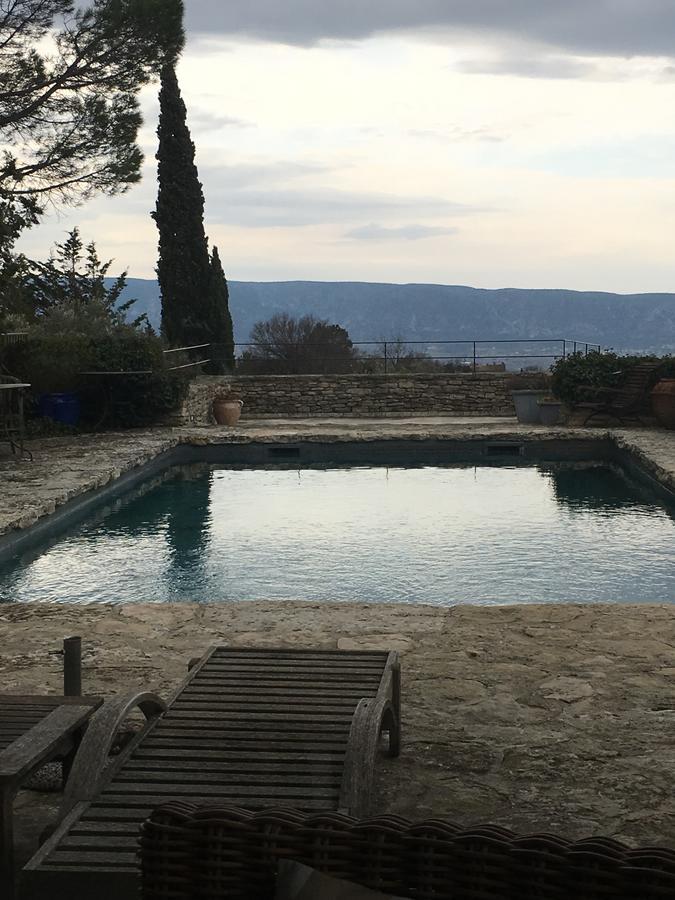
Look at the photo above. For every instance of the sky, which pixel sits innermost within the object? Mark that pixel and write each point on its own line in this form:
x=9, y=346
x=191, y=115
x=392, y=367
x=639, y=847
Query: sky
x=492, y=143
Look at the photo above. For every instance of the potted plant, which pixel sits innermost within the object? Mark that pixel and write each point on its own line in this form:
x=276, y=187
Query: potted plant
x=549, y=410
x=227, y=408
x=527, y=389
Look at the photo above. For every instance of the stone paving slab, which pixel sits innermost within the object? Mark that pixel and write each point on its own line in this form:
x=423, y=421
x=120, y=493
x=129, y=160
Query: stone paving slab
x=538, y=717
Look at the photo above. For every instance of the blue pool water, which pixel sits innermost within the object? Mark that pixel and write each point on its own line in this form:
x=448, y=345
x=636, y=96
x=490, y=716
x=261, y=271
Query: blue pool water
x=413, y=535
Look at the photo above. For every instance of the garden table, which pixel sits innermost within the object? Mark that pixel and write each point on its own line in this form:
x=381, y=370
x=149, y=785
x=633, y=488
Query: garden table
x=33, y=730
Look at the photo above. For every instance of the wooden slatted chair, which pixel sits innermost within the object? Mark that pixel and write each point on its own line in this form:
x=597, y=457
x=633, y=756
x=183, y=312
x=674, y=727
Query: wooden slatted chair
x=259, y=728
x=628, y=401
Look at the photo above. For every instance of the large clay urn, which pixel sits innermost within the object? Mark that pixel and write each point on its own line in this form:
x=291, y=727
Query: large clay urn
x=663, y=402
x=226, y=410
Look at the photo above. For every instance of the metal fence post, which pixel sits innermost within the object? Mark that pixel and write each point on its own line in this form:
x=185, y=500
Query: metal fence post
x=385, y=357
x=474, y=357
x=72, y=667
x=564, y=348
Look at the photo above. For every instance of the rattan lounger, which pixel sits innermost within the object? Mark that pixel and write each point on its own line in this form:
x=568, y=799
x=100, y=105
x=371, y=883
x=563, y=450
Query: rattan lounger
x=258, y=728
x=225, y=853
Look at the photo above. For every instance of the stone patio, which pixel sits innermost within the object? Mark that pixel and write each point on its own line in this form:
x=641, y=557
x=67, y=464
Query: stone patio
x=547, y=717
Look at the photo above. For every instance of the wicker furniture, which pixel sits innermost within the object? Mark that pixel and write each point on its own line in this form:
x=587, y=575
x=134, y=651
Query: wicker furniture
x=33, y=730
x=224, y=853
x=628, y=401
x=258, y=728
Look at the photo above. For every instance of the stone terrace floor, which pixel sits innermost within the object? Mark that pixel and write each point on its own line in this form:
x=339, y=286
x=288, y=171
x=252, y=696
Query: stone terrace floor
x=547, y=717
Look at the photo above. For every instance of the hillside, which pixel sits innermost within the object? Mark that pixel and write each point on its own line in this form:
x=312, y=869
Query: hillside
x=429, y=312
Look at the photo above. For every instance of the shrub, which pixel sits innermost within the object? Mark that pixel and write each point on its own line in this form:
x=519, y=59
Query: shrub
x=132, y=400
x=570, y=376
x=49, y=363
x=55, y=363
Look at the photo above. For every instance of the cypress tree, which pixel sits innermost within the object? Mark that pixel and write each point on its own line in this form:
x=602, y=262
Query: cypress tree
x=192, y=285
x=223, y=355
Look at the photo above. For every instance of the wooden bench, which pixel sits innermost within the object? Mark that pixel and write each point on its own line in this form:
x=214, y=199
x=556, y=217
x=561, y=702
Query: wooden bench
x=33, y=730
x=223, y=853
x=255, y=727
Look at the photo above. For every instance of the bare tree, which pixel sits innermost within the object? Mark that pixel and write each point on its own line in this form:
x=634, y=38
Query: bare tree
x=285, y=345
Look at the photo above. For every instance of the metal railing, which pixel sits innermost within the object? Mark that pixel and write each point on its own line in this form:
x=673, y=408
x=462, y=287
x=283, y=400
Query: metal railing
x=12, y=337
x=402, y=355
x=189, y=365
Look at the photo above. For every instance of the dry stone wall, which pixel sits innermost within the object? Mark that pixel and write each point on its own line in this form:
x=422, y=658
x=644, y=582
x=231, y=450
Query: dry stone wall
x=289, y=396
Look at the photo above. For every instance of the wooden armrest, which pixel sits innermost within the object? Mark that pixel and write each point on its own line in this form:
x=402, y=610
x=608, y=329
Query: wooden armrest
x=371, y=717
x=92, y=755
x=41, y=742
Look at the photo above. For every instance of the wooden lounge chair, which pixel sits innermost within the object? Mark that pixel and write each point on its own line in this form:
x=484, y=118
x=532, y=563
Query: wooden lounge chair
x=628, y=401
x=220, y=853
x=34, y=729
x=297, y=728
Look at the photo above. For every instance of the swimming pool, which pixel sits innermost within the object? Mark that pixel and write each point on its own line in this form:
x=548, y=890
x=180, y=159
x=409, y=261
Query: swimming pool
x=438, y=534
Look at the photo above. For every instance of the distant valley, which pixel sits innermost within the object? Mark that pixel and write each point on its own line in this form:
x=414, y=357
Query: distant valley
x=429, y=312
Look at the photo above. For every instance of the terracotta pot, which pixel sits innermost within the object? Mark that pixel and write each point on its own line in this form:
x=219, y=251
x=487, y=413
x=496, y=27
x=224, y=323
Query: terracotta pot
x=227, y=412
x=663, y=402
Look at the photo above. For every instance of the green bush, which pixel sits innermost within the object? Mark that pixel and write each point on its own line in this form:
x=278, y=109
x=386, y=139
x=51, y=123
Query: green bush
x=55, y=363
x=572, y=376
x=50, y=363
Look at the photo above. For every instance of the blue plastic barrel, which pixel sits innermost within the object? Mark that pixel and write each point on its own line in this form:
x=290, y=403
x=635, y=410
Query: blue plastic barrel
x=64, y=408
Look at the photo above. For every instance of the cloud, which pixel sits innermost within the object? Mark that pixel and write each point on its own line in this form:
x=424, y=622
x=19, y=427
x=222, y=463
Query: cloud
x=202, y=119
x=584, y=27
x=287, y=194
x=278, y=173
x=375, y=232
x=454, y=134
x=523, y=66
x=294, y=208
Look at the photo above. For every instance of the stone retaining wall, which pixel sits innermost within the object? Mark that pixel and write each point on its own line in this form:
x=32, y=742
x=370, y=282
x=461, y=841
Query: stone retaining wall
x=353, y=395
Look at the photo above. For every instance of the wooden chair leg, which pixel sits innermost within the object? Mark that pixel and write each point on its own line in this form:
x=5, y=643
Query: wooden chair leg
x=7, y=845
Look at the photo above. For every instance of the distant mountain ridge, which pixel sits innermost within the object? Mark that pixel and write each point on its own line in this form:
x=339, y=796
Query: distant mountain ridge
x=433, y=312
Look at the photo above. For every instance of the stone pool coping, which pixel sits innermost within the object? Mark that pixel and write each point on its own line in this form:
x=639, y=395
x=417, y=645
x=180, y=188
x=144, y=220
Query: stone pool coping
x=67, y=467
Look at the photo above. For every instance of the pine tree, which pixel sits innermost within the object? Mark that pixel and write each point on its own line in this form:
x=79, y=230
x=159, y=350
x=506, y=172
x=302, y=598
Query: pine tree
x=183, y=268
x=193, y=287
x=223, y=354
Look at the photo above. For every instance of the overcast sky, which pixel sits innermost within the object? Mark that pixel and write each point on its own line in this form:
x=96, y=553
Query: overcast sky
x=495, y=143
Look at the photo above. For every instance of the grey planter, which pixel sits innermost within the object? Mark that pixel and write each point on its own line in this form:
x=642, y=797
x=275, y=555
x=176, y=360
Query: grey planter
x=549, y=412
x=527, y=406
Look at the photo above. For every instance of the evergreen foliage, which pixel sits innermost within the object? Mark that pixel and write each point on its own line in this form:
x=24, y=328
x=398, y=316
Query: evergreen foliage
x=193, y=288
x=222, y=356
x=69, y=81
x=69, y=292
x=572, y=376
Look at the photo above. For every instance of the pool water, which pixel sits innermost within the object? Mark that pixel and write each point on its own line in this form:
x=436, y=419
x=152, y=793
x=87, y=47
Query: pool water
x=439, y=535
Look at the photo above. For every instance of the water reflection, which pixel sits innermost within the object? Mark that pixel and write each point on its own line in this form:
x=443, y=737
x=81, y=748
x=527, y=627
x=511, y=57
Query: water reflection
x=187, y=531
x=439, y=535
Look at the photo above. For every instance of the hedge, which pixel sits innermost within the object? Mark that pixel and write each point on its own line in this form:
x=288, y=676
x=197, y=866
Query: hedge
x=56, y=363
